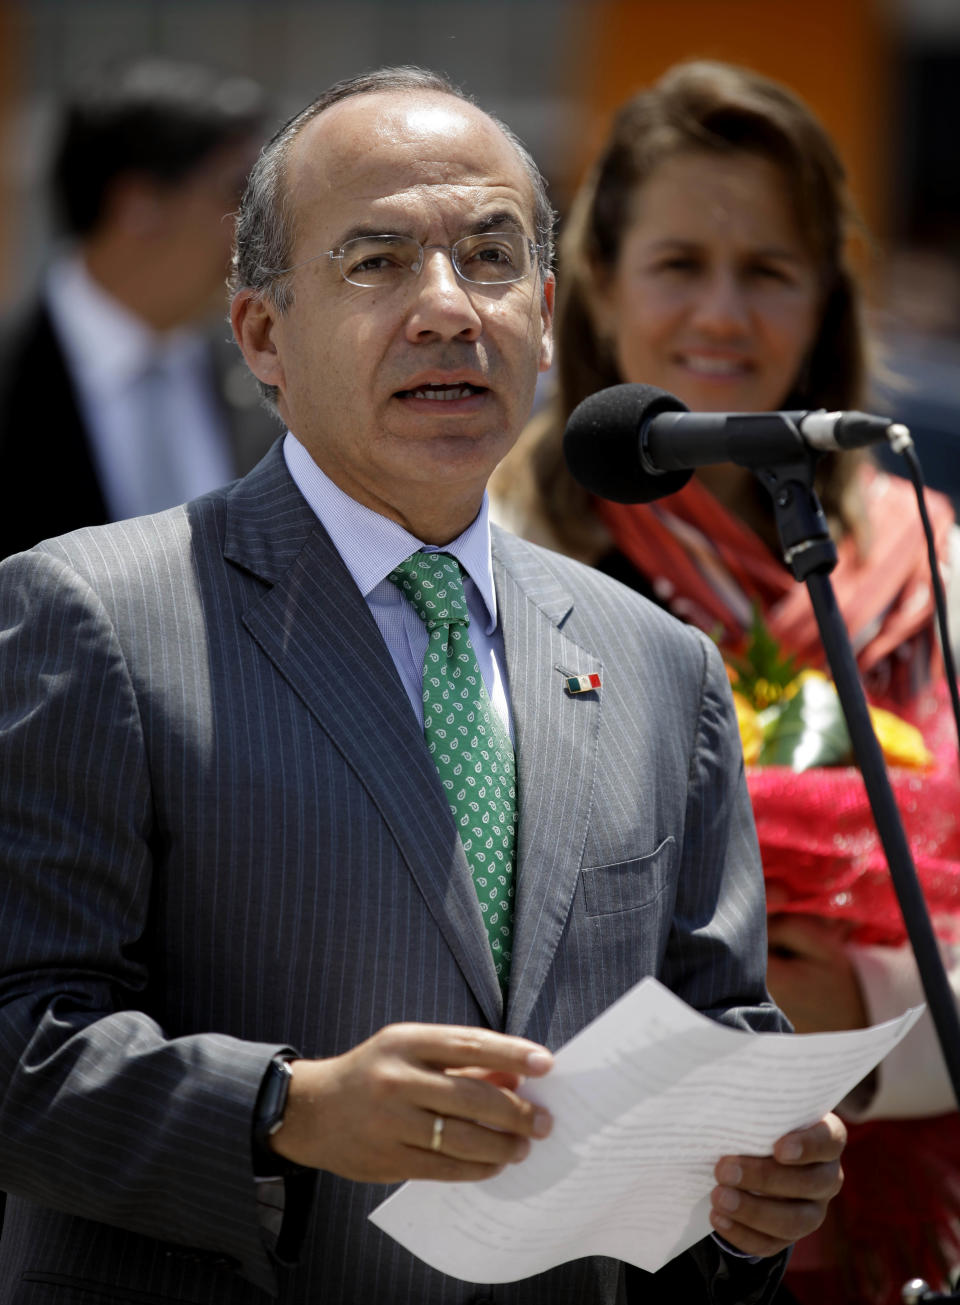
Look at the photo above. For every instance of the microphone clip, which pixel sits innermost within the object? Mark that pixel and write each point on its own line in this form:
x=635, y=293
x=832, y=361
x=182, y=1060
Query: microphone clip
x=808, y=548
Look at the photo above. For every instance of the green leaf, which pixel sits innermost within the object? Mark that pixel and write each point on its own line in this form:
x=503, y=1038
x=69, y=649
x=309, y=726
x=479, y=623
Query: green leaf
x=808, y=730
x=763, y=661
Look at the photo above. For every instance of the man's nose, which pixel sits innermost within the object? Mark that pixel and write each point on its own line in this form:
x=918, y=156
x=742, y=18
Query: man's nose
x=442, y=306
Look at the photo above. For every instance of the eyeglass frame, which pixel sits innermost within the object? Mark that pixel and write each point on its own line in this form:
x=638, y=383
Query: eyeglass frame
x=336, y=255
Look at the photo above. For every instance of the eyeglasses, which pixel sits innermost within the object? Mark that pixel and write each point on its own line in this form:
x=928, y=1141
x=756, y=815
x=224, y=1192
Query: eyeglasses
x=383, y=262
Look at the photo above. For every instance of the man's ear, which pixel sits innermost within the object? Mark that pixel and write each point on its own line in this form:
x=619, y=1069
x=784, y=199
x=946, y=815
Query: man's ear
x=253, y=318
x=546, y=317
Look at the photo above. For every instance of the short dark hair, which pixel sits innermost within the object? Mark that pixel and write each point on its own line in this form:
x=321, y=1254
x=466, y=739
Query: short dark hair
x=154, y=117
x=264, y=233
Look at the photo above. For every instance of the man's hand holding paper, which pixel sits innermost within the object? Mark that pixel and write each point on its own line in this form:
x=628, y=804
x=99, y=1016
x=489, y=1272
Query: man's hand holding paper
x=415, y=1101
x=762, y=1204
x=666, y=1126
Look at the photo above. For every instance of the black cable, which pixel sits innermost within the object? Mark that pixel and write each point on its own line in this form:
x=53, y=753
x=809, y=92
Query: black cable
x=903, y=444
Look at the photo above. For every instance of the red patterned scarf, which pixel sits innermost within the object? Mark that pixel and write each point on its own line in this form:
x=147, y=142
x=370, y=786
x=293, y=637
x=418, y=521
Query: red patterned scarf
x=709, y=568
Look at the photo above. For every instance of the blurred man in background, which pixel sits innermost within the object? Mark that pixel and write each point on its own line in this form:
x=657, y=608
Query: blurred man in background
x=121, y=391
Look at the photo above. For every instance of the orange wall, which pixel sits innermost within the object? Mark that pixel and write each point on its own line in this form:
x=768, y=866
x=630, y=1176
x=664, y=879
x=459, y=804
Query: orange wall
x=835, y=53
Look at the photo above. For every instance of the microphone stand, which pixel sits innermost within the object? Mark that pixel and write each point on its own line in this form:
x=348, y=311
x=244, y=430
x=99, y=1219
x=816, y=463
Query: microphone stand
x=811, y=555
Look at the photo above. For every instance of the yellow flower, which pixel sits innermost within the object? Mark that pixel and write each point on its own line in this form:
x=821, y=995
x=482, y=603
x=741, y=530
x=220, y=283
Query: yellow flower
x=780, y=727
x=751, y=735
x=902, y=743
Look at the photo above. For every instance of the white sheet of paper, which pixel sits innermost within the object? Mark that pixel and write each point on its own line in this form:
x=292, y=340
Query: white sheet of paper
x=645, y=1100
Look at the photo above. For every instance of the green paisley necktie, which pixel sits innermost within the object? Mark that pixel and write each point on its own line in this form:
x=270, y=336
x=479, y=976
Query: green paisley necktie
x=469, y=745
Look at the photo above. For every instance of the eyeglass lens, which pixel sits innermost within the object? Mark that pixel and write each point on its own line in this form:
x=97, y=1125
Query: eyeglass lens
x=489, y=258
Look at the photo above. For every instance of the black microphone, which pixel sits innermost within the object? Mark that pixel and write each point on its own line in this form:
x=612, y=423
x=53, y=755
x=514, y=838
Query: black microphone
x=635, y=443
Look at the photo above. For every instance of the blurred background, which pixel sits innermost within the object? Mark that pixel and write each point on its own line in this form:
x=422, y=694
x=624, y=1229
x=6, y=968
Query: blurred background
x=884, y=75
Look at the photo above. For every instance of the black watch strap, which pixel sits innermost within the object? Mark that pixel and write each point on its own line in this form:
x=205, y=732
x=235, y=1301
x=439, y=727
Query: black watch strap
x=268, y=1116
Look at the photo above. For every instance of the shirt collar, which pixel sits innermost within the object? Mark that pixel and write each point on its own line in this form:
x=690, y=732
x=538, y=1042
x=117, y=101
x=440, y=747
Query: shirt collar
x=105, y=342
x=371, y=545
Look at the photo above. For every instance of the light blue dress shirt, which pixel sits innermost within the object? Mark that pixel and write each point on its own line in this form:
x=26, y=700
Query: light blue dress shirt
x=157, y=436
x=371, y=546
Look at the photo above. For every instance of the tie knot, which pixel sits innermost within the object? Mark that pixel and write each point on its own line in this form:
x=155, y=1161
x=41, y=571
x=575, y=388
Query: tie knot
x=432, y=583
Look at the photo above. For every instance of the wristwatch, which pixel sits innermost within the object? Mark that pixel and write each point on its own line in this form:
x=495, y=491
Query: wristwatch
x=268, y=1116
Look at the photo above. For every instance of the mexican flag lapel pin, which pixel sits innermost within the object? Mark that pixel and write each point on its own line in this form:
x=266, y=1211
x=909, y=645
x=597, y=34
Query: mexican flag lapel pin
x=582, y=683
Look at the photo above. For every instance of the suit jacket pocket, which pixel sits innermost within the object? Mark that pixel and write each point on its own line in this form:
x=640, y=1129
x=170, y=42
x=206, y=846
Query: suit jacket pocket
x=629, y=885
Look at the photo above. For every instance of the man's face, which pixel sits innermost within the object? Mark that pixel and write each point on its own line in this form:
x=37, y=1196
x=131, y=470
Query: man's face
x=407, y=397
x=192, y=224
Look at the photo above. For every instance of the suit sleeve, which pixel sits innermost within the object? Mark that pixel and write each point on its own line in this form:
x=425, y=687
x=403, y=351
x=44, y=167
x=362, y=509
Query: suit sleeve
x=717, y=954
x=705, y=1273
x=101, y=1113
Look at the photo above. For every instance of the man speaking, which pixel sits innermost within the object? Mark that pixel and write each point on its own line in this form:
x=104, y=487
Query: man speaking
x=310, y=852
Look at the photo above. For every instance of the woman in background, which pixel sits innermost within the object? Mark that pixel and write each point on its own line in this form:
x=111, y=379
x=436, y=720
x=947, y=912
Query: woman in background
x=707, y=255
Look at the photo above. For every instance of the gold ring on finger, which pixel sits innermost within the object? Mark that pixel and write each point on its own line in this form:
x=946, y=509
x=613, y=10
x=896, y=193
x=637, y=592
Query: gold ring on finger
x=436, y=1139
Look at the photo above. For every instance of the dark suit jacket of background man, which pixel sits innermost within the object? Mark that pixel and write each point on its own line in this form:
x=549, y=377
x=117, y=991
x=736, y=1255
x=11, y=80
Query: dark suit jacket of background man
x=48, y=478
x=235, y=841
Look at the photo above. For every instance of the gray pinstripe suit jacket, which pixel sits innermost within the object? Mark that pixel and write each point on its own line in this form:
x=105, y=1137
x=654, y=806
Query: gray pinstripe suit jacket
x=221, y=834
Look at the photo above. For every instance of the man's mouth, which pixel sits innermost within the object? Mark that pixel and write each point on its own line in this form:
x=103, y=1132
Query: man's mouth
x=441, y=393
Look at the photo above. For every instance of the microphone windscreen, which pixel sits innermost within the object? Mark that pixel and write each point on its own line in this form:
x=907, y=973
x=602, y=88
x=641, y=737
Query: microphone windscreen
x=602, y=444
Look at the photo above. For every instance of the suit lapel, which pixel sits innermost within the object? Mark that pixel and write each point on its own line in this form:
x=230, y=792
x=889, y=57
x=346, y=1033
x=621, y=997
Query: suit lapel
x=316, y=628
x=556, y=744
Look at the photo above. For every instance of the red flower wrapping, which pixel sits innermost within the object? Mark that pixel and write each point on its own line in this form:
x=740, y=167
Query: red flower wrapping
x=898, y=1215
